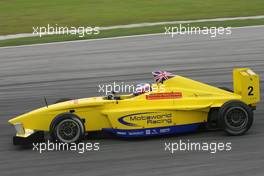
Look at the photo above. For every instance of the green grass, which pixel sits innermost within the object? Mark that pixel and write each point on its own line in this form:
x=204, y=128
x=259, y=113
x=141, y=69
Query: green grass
x=18, y=16
x=122, y=32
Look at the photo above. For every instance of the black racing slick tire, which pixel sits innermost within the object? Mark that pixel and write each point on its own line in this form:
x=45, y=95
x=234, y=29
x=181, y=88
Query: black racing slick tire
x=235, y=117
x=67, y=128
x=62, y=100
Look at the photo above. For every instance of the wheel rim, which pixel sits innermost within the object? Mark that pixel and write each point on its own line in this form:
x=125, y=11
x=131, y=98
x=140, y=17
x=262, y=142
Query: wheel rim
x=68, y=131
x=236, y=118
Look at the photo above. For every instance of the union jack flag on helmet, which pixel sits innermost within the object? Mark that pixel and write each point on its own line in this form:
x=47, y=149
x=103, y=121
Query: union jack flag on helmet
x=161, y=76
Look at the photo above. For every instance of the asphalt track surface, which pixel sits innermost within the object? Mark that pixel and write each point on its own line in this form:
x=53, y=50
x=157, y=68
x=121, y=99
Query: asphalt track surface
x=75, y=70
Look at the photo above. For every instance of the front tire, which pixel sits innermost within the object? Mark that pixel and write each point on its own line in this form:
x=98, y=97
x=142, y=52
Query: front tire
x=67, y=128
x=235, y=117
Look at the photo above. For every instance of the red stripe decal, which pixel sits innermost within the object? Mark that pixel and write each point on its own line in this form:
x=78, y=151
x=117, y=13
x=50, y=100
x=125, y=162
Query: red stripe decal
x=158, y=96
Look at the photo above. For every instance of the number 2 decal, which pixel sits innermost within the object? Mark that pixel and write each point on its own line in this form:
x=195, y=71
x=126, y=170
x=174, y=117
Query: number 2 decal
x=250, y=91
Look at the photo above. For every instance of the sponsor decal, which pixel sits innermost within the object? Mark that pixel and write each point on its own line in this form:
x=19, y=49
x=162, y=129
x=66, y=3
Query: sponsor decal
x=121, y=133
x=136, y=133
x=148, y=118
x=165, y=130
x=154, y=131
x=168, y=95
x=148, y=132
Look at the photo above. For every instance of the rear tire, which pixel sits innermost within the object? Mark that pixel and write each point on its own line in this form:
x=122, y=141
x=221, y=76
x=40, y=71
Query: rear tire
x=67, y=128
x=235, y=117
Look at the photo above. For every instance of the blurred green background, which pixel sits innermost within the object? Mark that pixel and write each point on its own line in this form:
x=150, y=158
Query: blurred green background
x=18, y=16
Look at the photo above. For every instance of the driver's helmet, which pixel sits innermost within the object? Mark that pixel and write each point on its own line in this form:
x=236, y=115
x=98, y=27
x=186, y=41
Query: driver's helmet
x=142, y=88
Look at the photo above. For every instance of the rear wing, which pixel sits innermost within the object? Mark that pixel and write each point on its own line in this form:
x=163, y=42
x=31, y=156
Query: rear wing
x=246, y=84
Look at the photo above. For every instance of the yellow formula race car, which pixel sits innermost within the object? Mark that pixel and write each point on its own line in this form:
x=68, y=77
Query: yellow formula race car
x=173, y=104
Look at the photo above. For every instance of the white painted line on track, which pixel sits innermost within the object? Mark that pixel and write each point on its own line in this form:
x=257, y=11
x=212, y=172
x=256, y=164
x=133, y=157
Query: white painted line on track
x=110, y=38
x=129, y=26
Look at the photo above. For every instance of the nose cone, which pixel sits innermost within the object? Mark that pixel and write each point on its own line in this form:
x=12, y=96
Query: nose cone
x=27, y=116
x=18, y=119
x=12, y=121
